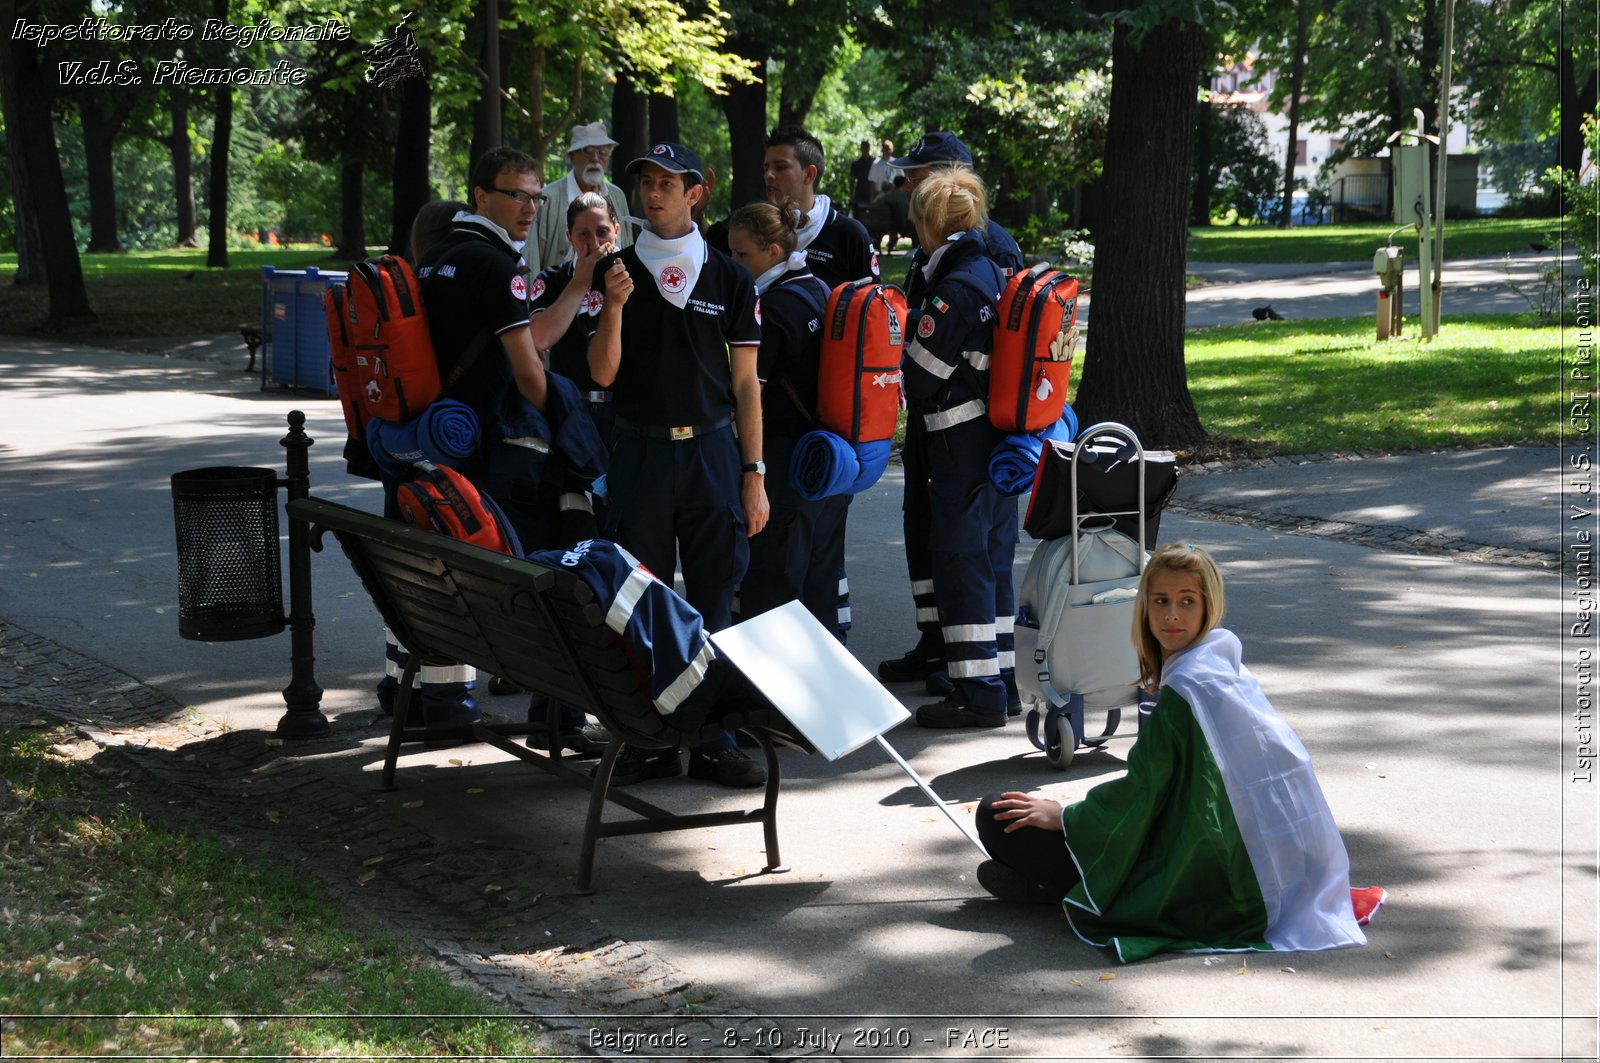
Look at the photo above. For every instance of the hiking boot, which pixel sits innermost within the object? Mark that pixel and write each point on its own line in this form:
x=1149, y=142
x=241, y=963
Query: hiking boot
x=1008, y=884
x=919, y=662
x=951, y=713
x=635, y=766
x=727, y=767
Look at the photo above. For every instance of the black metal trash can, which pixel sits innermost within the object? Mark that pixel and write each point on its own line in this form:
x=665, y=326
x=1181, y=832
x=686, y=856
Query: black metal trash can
x=229, y=581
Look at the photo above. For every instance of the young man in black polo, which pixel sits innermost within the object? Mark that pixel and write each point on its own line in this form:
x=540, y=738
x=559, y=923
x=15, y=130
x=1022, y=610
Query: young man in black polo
x=676, y=343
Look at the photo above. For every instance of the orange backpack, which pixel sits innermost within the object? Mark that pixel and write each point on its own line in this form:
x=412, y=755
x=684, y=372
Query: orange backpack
x=1035, y=337
x=439, y=499
x=380, y=347
x=858, y=381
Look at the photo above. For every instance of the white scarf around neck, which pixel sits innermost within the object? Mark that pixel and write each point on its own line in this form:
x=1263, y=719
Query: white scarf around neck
x=815, y=217
x=938, y=253
x=796, y=260
x=675, y=264
x=479, y=219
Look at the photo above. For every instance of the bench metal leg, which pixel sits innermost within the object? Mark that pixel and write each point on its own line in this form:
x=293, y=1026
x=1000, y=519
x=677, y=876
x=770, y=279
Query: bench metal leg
x=598, y=789
x=397, y=727
x=769, y=807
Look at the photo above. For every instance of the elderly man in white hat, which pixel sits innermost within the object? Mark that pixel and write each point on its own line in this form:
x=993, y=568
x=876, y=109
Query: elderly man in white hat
x=588, y=154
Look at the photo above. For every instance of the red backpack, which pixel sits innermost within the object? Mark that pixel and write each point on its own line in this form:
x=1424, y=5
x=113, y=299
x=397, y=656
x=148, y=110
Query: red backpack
x=381, y=349
x=441, y=500
x=1035, y=337
x=858, y=381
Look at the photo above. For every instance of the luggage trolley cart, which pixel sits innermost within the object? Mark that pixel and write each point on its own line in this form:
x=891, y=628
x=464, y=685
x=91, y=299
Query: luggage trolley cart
x=1075, y=615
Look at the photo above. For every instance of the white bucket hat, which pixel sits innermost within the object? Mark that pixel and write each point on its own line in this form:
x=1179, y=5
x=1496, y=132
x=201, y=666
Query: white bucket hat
x=590, y=136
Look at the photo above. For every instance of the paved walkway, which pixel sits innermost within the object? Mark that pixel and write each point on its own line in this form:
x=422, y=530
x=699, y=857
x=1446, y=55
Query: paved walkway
x=1429, y=682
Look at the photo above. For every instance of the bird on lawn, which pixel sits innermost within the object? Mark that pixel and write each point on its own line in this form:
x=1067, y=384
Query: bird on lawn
x=1266, y=313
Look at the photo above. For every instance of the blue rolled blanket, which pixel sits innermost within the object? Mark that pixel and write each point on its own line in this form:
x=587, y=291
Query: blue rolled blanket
x=825, y=465
x=1015, y=460
x=445, y=433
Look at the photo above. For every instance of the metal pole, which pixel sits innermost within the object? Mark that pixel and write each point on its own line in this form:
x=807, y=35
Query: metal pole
x=1442, y=180
x=964, y=828
x=303, y=696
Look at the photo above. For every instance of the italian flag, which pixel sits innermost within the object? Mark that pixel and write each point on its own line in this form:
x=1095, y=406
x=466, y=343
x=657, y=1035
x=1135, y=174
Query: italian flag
x=1218, y=838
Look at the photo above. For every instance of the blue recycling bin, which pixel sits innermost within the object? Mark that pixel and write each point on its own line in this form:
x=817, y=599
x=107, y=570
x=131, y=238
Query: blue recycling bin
x=295, y=328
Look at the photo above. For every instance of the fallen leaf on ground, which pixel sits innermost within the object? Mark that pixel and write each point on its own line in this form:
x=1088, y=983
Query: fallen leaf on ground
x=366, y=878
x=1108, y=978
x=412, y=804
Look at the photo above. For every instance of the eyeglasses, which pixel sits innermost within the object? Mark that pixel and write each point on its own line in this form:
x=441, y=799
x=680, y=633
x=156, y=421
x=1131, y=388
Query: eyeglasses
x=601, y=152
x=537, y=199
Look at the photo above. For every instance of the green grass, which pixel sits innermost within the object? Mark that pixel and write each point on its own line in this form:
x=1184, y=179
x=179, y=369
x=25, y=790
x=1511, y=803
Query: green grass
x=1356, y=243
x=1305, y=387
x=152, y=293
x=107, y=915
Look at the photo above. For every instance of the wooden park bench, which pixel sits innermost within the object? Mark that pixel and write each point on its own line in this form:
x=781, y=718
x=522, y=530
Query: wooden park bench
x=541, y=628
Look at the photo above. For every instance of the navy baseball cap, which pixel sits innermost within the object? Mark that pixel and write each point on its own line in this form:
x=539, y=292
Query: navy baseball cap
x=933, y=149
x=670, y=156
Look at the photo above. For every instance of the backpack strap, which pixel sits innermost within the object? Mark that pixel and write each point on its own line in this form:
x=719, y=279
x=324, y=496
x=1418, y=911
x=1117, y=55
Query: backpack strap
x=817, y=305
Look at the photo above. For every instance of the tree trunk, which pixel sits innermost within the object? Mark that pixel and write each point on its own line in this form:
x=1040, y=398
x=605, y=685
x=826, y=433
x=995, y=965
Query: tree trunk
x=100, y=125
x=664, y=118
x=1297, y=75
x=41, y=197
x=30, y=263
x=538, y=139
x=746, y=109
x=628, y=129
x=1134, y=372
x=410, y=180
x=1205, y=175
x=352, y=174
x=1576, y=105
x=182, y=170
x=486, y=129
x=798, y=89
x=221, y=142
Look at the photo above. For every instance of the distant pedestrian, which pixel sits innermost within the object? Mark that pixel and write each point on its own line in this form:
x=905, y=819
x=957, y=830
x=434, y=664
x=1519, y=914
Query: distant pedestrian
x=884, y=170
x=861, y=190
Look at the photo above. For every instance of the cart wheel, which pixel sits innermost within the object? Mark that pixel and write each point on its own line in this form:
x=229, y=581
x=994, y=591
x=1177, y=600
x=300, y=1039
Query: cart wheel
x=1062, y=744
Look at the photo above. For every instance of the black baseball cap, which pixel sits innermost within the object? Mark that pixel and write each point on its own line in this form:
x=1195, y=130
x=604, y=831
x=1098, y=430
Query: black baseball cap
x=669, y=156
x=933, y=149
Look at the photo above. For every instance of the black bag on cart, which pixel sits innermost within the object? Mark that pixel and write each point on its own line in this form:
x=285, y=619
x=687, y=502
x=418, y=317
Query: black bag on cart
x=1108, y=482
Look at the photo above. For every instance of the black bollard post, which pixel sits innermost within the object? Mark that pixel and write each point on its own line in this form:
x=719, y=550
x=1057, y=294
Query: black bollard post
x=303, y=696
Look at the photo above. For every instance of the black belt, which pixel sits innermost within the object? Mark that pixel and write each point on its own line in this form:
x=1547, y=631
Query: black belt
x=676, y=432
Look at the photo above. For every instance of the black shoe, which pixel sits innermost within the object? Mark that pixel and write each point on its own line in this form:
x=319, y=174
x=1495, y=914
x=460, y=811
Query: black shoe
x=633, y=766
x=951, y=713
x=727, y=767
x=939, y=686
x=914, y=665
x=501, y=685
x=1009, y=884
x=580, y=743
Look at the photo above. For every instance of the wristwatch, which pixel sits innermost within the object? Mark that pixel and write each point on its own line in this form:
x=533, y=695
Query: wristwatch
x=758, y=467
